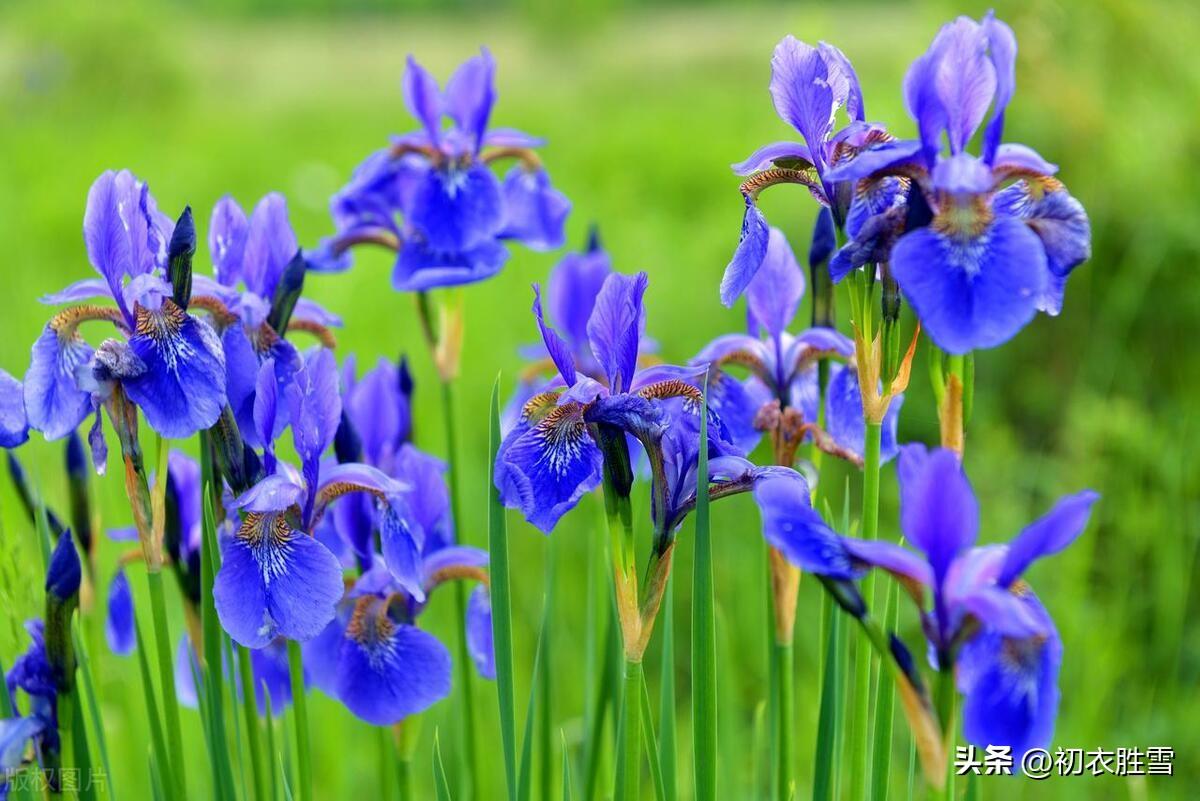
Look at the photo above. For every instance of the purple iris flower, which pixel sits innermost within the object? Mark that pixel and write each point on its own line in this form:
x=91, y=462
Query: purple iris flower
x=169, y=363
x=784, y=368
x=374, y=658
x=14, y=427
x=432, y=195
x=551, y=458
x=984, y=619
x=1003, y=235
x=809, y=85
x=33, y=674
x=276, y=579
x=268, y=667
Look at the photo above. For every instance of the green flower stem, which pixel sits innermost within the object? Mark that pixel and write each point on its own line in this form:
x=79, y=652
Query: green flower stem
x=629, y=760
x=704, y=634
x=246, y=675
x=300, y=710
x=784, y=656
x=166, y=677
x=870, y=508
x=947, y=709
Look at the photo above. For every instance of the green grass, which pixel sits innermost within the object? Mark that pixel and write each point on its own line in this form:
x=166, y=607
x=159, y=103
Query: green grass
x=644, y=110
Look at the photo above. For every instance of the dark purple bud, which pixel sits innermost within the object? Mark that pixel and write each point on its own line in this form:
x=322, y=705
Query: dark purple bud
x=179, y=258
x=287, y=292
x=77, y=487
x=824, y=240
x=847, y=596
x=919, y=214
x=594, y=244
x=65, y=572
x=347, y=444
x=405, y=377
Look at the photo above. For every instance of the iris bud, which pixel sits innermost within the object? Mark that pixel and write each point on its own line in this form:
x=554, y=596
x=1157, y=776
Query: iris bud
x=179, y=258
x=77, y=485
x=287, y=292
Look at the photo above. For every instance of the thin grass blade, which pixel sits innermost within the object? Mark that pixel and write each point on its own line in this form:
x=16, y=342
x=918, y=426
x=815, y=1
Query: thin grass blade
x=501, y=602
x=439, y=772
x=704, y=634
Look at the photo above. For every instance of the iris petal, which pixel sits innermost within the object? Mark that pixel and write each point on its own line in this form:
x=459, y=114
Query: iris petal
x=938, y=510
x=457, y=209
x=479, y=632
x=535, y=212
x=776, y=289
x=797, y=530
x=54, y=403
x=118, y=625
x=419, y=267
x=14, y=427
x=748, y=256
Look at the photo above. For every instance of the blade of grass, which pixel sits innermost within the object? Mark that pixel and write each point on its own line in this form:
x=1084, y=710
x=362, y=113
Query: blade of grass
x=656, y=773
x=273, y=791
x=545, y=674
x=881, y=768
x=439, y=772
x=501, y=601
x=300, y=710
x=93, y=708
x=156, y=780
x=212, y=664
x=666, y=689
x=567, y=791
x=824, y=761
x=250, y=716
x=604, y=702
x=704, y=634
x=524, y=783
x=158, y=742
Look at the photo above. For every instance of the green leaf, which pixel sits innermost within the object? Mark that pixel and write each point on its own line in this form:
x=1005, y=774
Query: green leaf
x=300, y=711
x=158, y=762
x=439, y=772
x=250, y=716
x=651, y=741
x=567, y=792
x=501, y=602
x=93, y=708
x=213, y=679
x=666, y=689
x=884, y=708
x=270, y=743
x=704, y=634
x=526, y=767
x=824, y=764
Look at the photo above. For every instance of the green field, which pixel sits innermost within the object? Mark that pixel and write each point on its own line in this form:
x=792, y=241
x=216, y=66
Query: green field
x=644, y=109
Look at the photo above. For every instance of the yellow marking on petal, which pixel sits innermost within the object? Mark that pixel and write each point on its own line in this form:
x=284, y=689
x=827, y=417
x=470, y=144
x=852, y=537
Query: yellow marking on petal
x=323, y=334
x=671, y=388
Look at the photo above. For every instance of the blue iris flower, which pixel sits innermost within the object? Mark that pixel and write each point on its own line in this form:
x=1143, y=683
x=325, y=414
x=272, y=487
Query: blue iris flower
x=984, y=619
x=276, y=579
x=432, y=195
x=14, y=425
x=1004, y=234
x=808, y=86
x=781, y=394
x=169, y=363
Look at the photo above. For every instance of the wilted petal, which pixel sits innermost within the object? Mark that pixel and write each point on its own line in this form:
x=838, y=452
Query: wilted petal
x=54, y=403
x=748, y=256
x=182, y=389
x=535, y=212
x=479, y=632
x=118, y=625
x=389, y=670
x=615, y=327
x=938, y=510
x=972, y=292
x=275, y=581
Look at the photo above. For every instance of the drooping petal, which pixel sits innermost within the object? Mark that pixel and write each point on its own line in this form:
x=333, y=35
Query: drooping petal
x=419, y=267
x=118, y=625
x=428, y=501
x=974, y=291
x=1011, y=687
x=774, y=293
x=227, y=231
x=449, y=557
x=560, y=352
x=938, y=510
x=893, y=558
x=545, y=468
x=14, y=426
x=423, y=98
x=54, y=403
x=458, y=209
x=511, y=137
x=309, y=311
x=388, y=670
x=534, y=211
x=275, y=581
x=270, y=245
x=402, y=552
x=182, y=389
x=354, y=520
x=479, y=632
x=615, y=327
x=85, y=289
x=748, y=256
x=1047, y=535
x=803, y=94
x=1058, y=219
x=470, y=95
x=797, y=530
x=768, y=155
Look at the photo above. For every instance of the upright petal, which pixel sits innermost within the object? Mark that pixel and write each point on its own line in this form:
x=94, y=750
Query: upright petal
x=389, y=670
x=1002, y=45
x=378, y=411
x=938, y=510
x=571, y=293
x=559, y=350
x=182, y=389
x=534, y=211
x=227, y=232
x=972, y=291
x=803, y=94
x=843, y=81
x=270, y=245
x=118, y=625
x=776, y=289
x=54, y=403
x=106, y=233
x=615, y=327
x=965, y=79
x=748, y=256
x=316, y=405
x=470, y=95
x=1047, y=535
x=14, y=427
x=423, y=98
x=457, y=209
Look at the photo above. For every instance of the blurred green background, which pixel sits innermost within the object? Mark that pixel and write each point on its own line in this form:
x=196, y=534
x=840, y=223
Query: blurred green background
x=644, y=108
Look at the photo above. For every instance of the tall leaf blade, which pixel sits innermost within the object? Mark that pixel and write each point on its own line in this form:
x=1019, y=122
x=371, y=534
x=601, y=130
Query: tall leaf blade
x=704, y=634
x=501, y=601
x=439, y=772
